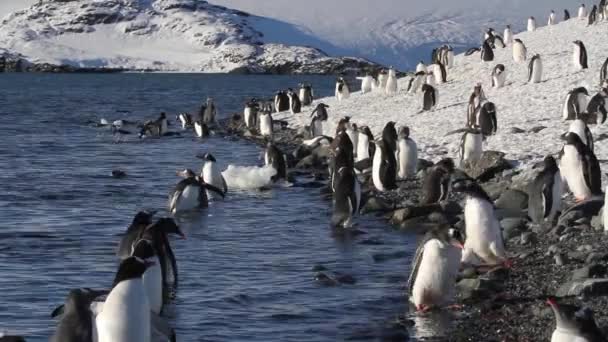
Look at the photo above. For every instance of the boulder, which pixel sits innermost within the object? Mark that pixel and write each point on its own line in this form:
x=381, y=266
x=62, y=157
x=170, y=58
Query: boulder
x=513, y=200
x=586, y=287
x=590, y=271
x=490, y=164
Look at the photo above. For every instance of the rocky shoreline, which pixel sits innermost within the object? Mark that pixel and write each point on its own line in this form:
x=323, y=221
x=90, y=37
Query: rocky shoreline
x=567, y=259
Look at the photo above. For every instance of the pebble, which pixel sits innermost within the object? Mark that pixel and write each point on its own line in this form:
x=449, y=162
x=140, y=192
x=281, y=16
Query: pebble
x=553, y=249
x=585, y=248
x=559, y=259
x=528, y=238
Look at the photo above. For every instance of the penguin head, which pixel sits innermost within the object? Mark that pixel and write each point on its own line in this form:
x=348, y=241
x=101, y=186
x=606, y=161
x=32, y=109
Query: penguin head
x=550, y=163
x=131, y=268
x=404, y=132
x=143, y=218
x=508, y=27
x=446, y=164
x=470, y=188
x=573, y=139
x=77, y=300
x=163, y=115
x=208, y=157
x=489, y=107
x=165, y=225
x=572, y=318
x=143, y=249
x=186, y=173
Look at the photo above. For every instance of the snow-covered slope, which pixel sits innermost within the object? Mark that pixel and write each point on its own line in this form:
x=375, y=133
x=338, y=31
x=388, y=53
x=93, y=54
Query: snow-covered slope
x=518, y=104
x=167, y=35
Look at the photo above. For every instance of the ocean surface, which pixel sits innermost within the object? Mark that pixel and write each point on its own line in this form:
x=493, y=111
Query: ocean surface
x=246, y=267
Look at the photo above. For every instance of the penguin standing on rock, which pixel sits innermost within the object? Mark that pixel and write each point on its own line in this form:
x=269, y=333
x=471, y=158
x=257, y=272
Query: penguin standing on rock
x=579, y=56
x=319, y=115
x=535, y=69
x=433, y=277
x=545, y=193
x=498, y=76
x=430, y=97
x=346, y=197
x=508, y=35
x=437, y=183
x=407, y=154
x=487, y=54
x=440, y=73
x=416, y=82
x=566, y=15
x=575, y=104
x=342, y=89
x=580, y=128
x=471, y=146
x=574, y=324
x=391, y=82
x=306, y=94
x=519, y=51
x=486, y=119
x=294, y=102
x=580, y=168
x=592, y=16
x=552, y=19
x=531, y=24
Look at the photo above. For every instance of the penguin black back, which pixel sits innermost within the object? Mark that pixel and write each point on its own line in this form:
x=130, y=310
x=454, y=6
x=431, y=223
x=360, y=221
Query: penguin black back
x=130, y=268
x=389, y=136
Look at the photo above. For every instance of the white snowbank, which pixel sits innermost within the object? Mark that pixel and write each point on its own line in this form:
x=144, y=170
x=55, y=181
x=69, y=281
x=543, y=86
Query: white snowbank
x=248, y=177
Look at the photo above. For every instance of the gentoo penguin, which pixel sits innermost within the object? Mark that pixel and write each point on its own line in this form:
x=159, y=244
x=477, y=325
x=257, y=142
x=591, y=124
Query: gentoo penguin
x=431, y=283
x=163, y=123
x=281, y=101
x=579, y=55
x=582, y=12
x=201, y=129
x=156, y=128
x=306, y=94
x=353, y=135
x=592, y=16
x=391, y=82
x=437, y=183
x=76, y=324
x=185, y=119
x=141, y=220
x=519, y=51
x=366, y=84
x=448, y=56
x=211, y=174
x=487, y=54
x=575, y=103
x=430, y=97
x=531, y=24
x=430, y=78
x=210, y=114
x=574, y=324
x=294, y=102
x=475, y=100
x=153, y=277
x=346, y=198
x=552, y=18
x=535, y=69
x=580, y=128
x=126, y=312
x=382, y=79
x=416, y=82
x=498, y=76
x=566, y=15
x=604, y=73
x=580, y=168
x=421, y=67
x=342, y=125
x=342, y=89
x=365, y=144
x=319, y=115
x=597, y=106
x=545, y=193
x=274, y=157
x=471, y=146
x=384, y=169
x=190, y=193
x=389, y=135
x=407, y=154
x=265, y=124
x=250, y=113
x=440, y=73
x=342, y=156
x=486, y=119
x=508, y=35
x=484, y=243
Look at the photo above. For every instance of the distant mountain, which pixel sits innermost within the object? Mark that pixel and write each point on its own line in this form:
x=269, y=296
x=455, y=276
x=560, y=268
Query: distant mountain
x=159, y=35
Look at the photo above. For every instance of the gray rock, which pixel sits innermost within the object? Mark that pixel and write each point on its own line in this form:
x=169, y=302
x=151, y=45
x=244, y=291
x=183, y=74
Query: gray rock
x=587, y=287
x=591, y=271
x=375, y=204
x=596, y=257
x=576, y=255
x=558, y=230
x=553, y=249
x=475, y=287
x=597, y=221
x=528, y=238
x=437, y=217
x=513, y=200
x=451, y=208
x=307, y=162
x=512, y=227
x=505, y=213
x=490, y=164
x=468, y=272
x=495, y=189
x=560, y=259
x=584, y=248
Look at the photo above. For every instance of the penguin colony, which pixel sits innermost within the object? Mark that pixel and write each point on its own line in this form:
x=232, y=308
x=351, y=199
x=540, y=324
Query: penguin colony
x=131, y=309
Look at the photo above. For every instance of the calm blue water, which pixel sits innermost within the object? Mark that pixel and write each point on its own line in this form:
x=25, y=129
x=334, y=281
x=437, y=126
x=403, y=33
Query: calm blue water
x=246, y=267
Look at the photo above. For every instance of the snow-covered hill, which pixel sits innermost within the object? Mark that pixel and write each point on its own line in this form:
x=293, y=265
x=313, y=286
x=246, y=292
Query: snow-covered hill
x=519, y=104
x=162, y=35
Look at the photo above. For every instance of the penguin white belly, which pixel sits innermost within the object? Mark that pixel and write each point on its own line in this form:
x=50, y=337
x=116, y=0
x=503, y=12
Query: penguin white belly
x=126, y=314
x=188, y=199
x=519, y=53
x=537, y=71
x=417, y=84
x=213, y=176
x=382, y=78
x=366, y=84
x=302, y=95
x=265, y=125
x=362, y=147
x=576, y=57
x=376, y=170
x=582, y=13
x=153, y=282
x=391, y=85
x=499, y=80
x=164, y=127
x=484, y=239
x=473, y=149
x=434, y=283
x=578, y=127
x=430, y=79
x=182, y=119
x=421, y=67
x=508, y=36
x=571, y=167
x=565, y=109
x=198, y=129
x=450, y=59
x=408, y=158
x=353, y=135
x=317, y=128
x=583, y=102
x=247, y=115
x=531, y=25
x=560, y=335
x=437, y=74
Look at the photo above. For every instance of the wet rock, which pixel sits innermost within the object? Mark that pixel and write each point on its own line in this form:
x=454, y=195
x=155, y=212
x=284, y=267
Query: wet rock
x=490, y=164
x=591, y=271
x=586, y=209
x=495, y=189
x=506, y=213
x=542, y=311
x=309, y=162
x=576, y=255
x=528, y=238
x=475, y=288
x=568, y=218
x=401, y=215
x=417, y=225
x=587, y=287
x=375, y=204
x=558, y=230
x=513, y=200
x=512, y=227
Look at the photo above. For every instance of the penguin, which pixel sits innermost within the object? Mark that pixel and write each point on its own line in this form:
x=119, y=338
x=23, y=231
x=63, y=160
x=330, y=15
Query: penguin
x=579, y=56
x=440, y=73
x=274, y=157
x=319, y=115
x=416, y=82
x=366, y=84
x=519, y=51
x=156, y=128
x=580, y=168
x=531, y=24
x=201, y=129
x=353, y=135
x=153, y=277
x=163, y=123
x=508, y=35
x=294, y=102
x=597, y=106
x=575, y=103
x=210, y=113
x=566, y=15
x=185, y=119
x=342, y=156
x=448, y=57
x=487, y=54
x=389, y=135
x=250, y=113
x=545, y=193
x=484, y=243
x=384, y=169
x=494, y=39
x=342, y=125
x=420, y=67
x=126, y=312
x=382, y=79
x=437, y=182
x=580, y=128
x=486, y=119
x=281, y=101
x=407, y=154
x=552, y=19
x=475, y=100
x=592, y=16
x=342, y=89
x=346, y=197
x=574, y=324
x=582, y=12
x=190, y=193
x=604, y=73
x=471, y=147
x=432, y=281
x=605, y=211
x=365, y=145
x=430, y=78
x=211, y=174
x=11, y=338
x=430, y=97
x=391, y=82
x=141, y=220
x=535, y=69
x=306, y=94
x=266, y=124
x=77, y=321
x=498, y=76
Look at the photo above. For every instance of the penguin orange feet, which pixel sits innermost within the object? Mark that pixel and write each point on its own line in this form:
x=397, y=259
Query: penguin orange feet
x=579, y=199
x=455, y=307
x=422, y=308
x=507, y=264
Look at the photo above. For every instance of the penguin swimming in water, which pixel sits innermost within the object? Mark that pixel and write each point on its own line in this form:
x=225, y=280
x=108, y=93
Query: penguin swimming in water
x=508, y=35
x=274, y=157
x=201, y=130
x=486, y=119
x=484, y=243
x=580, y=168
x=471, y=146
x=475, y=100
x=346, y=198
x=574, y=324
x=580, y=128
x=420, y=67
x=487, y=54
x=212, y=175
x=384, y=168
x=281, y=101
x=430, y=97
x=566, y=15
x=342, y=89
x=575, y=103
x=319, y=115
x=126, y=312
x=545, y=193
x=391, y=82
x=531, y=24
x=294, y=102
x=416, y=82
x=604, y=74
x=579, y=55
x=306, y=94
x=440, y=73
x=519, y=51
x=134, y=232
x=266, y=124
x=185, y=119
x=552, y=19
x=250, y=113
x=190, y=193
x=535, y=69
x=582, y=12
x=77, y=321
x=437, y=183
x=156, y=128
x=432, y=281
x=152, y=277
x=407, y=154
x=498, y=76
x=597, y=106
x=365, y=144
x=209, y=116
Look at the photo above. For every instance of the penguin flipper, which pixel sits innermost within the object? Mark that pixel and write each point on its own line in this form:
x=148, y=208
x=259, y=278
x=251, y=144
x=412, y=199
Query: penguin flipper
x=415, y=266
x=494, y=122
x=547, y=196
x=589, y=137
x=224, y=185
x=592, y=173
x=213, y=188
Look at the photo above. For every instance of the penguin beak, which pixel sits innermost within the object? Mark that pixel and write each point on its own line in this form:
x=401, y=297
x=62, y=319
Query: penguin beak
x=551, y=302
